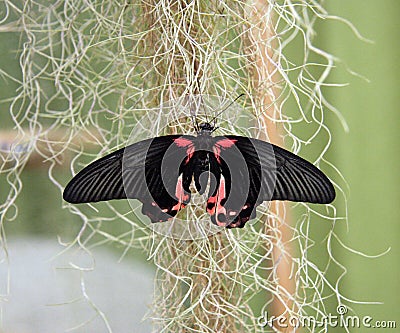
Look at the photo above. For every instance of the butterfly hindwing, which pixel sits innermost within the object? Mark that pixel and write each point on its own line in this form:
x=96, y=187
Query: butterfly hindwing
x=233, y=202
x=167, y=181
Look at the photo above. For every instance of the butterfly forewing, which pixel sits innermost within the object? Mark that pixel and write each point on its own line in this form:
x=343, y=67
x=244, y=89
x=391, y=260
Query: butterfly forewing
x=293, y=178
x=142, y=171
x=99, y=181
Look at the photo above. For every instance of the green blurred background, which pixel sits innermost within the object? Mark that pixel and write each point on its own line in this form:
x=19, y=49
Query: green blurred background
x=366, y=155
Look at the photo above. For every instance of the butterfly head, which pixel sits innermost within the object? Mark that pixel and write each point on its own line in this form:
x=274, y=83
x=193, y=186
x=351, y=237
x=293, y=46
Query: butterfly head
x=206, y=129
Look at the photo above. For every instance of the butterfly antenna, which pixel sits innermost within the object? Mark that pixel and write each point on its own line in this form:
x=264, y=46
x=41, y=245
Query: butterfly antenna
x=205, y=109
x=193, y=113
x=230, y=104
x=196, y=124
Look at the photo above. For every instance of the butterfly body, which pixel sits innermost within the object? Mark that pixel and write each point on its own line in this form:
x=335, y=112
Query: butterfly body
x=239, y=172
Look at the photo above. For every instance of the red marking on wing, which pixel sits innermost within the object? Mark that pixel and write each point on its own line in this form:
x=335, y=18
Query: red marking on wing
x=179, y=191
x=215, y=202
x=182, y=142
x=217, y=153
x=180, y=195
x=224, y=143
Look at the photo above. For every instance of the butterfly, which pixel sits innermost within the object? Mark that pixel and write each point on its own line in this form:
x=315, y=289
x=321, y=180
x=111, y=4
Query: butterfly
x=239, y=173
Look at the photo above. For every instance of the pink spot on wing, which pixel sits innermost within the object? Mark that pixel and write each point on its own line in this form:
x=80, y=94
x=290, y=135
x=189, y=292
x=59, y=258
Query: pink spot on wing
x=178, y=206
x=212, y=200
x=182, y=142
x=180, y=195
x=179, y=191
x=226, y=143
x=221, y=189
x=216, y=201
x=217, y=153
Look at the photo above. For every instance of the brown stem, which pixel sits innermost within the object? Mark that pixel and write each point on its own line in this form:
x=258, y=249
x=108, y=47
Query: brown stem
x=261, y=34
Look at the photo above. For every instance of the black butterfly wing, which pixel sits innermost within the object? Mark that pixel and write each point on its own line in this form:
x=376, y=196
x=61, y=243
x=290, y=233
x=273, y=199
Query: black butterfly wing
x=299, y=180
x=146, y=170
x=268, y=173
x=167, y=182
x=227, y=198
x=99, y=181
